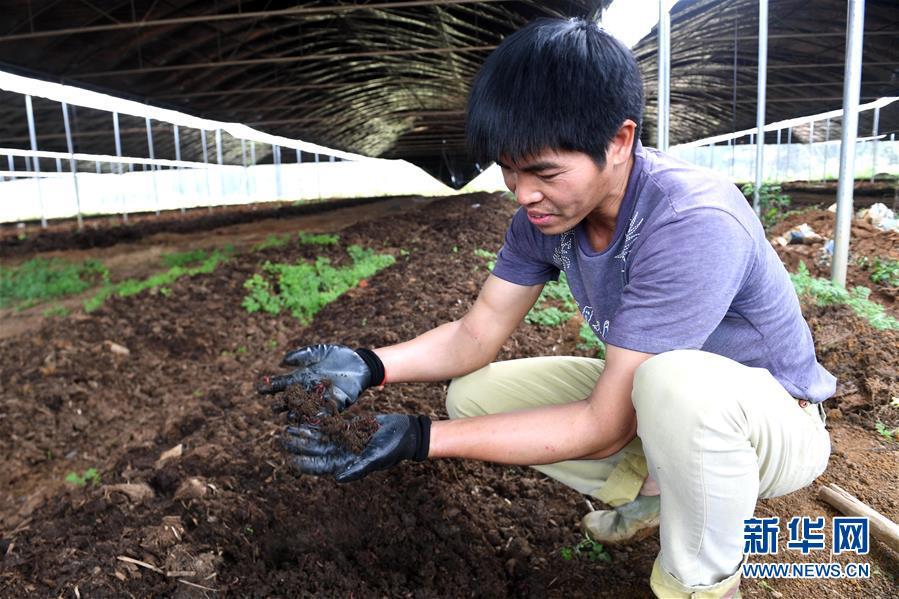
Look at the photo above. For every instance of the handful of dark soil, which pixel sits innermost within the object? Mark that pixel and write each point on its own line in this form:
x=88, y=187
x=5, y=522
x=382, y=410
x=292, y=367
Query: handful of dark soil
x=301, y=407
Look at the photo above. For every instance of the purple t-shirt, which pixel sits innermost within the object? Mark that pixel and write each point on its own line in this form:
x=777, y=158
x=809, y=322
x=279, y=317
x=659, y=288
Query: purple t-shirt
x=689, y=267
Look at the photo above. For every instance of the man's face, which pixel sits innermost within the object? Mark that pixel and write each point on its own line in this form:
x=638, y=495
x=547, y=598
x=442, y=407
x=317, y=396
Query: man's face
x=558, y=188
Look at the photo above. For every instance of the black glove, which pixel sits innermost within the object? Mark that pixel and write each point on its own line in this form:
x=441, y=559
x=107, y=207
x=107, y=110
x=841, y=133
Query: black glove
x=336, y=371
x=399, y=437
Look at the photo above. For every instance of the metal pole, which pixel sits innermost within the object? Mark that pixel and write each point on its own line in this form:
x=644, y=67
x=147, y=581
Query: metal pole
x=789, y=151
x=875, y=132
x=318, y=177
x=37, y=161
x=253, y=161
x=11, y=163
x=811, y=147
x=99, y=168
x=760, y=105
x=300, y=191
x=664, y=68
x=206, y=169
x=852, y=78
x=777, y=158
x=276, y=158
x=118, y=153
x=246, y=174
x=733, y=159
x=152, y=166
x=218, y=157
x=72, y=165
x=177, y=135
x=826, y=140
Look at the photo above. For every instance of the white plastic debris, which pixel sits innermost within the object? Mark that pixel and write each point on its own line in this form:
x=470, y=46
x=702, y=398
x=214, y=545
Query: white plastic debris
x=802, y=234
x=880, y=216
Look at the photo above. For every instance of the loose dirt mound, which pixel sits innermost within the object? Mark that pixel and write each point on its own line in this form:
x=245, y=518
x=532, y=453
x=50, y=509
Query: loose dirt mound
x=223, y=511
x=865, y=242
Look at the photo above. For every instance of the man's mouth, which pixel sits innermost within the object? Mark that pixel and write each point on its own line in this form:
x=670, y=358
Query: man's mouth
x=539, y=218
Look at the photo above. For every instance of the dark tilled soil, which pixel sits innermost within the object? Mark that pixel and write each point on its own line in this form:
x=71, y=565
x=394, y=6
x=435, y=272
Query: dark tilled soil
x=150, y=374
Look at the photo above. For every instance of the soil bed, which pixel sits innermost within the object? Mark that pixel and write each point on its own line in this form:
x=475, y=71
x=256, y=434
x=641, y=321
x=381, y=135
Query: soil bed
x=211, y=501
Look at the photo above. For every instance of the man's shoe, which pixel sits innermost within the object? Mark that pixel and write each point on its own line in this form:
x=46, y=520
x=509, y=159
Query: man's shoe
x=627, y=523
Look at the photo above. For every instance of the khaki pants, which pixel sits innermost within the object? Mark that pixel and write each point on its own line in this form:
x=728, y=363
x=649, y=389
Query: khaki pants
x=716, y=436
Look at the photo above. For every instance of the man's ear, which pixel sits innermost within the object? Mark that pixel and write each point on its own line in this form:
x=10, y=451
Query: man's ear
x=622, y=143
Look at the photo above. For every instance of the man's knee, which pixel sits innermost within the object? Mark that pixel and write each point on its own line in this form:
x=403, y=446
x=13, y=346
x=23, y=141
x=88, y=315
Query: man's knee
x=670, y=383
x=462, y=397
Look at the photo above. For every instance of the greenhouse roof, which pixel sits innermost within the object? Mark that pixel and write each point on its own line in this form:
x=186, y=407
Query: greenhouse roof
x=389, y=79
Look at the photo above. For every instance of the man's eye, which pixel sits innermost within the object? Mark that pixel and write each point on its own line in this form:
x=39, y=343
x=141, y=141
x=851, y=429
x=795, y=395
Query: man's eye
x=548, y=177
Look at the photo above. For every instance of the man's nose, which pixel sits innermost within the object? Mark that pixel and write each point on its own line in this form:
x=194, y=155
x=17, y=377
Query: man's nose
x=526, y=193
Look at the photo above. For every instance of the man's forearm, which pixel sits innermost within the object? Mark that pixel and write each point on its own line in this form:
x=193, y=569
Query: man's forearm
x=539, y=436
x=445, y=352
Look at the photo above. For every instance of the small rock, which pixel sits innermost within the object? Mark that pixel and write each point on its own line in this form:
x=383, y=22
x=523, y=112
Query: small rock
x=136, y=492
x=119, y=350
x=511, y=566
x=174, y=452
x=192, y=488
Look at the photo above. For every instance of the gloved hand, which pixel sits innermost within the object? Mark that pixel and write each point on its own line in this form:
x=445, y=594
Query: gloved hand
x=337, y=371
x=399, y=437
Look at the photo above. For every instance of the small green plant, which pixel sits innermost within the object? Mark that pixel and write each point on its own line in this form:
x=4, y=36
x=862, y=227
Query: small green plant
x=324, y=239
x=184, y=258
x=774, y=205
x=303, y=289
x=88, y=476
x=241, y=350
x=272, y=241
x=165, y=291
x=555, y=306
x=887, y=433
x=42, y=279
x=487, y=255
x=586, y=549
x=825, y=293
x=885, y=271
x=590, y=342
x=134, y=286
x=272, y=343
x=56, y=311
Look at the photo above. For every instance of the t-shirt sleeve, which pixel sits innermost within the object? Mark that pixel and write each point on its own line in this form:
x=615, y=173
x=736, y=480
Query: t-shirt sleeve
x=522, y=258
x=682, y=281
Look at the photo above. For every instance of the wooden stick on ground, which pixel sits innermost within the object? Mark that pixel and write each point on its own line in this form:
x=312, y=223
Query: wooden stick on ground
x=881, y=527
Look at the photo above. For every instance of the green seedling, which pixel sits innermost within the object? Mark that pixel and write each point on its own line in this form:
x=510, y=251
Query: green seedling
x=587, y=549
x=887, y=433
x=590, y=342
x=885, y=272
x=773, y=203
x=56, y=311
x=272, y=241
x=88, y=476
x=825, y=293
x=487, y=255
x=555, y=306
x=303, y=288
x=135, y=286
x=184, y=258
x=242, y=349
x=41, y=279
x=324, y=239
x=272, y=343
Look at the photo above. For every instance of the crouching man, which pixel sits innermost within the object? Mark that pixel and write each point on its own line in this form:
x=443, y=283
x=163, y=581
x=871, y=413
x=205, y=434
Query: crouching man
x=708, y=397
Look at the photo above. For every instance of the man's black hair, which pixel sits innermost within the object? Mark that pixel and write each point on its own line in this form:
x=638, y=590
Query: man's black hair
x=554, y=84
